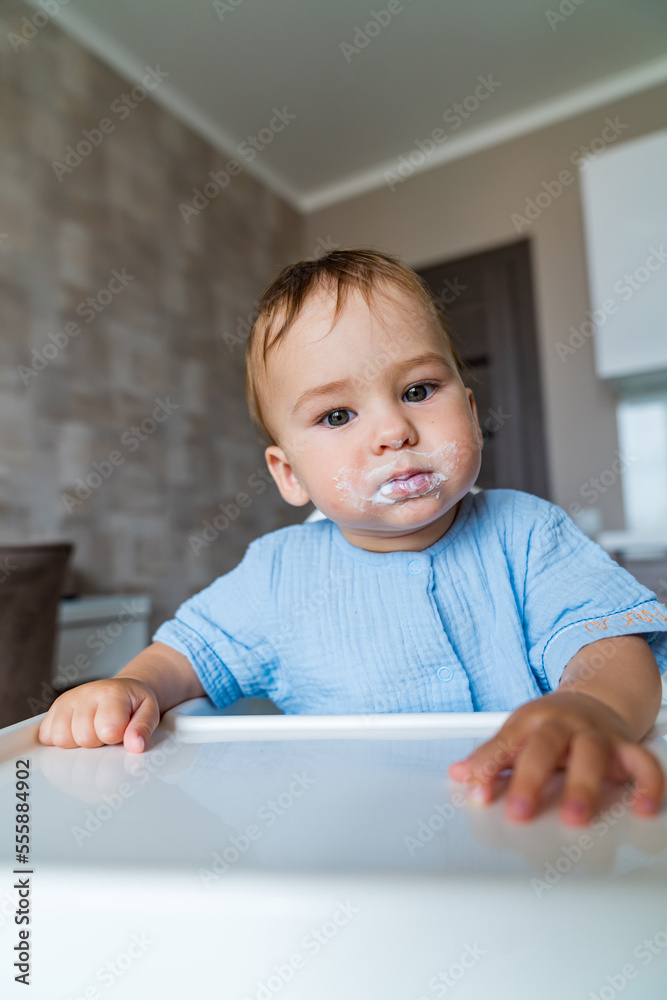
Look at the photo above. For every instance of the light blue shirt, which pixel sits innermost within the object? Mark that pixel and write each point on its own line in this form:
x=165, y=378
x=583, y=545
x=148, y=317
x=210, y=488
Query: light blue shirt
x=485, y=619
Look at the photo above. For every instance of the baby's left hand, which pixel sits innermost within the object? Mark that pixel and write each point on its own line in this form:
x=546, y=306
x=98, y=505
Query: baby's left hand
x=567, y=729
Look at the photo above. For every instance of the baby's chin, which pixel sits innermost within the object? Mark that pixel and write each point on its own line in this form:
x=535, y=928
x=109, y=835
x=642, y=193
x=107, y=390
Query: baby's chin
x=399, y=516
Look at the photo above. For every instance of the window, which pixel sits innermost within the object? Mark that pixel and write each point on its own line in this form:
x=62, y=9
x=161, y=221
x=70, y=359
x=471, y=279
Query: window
x=642, y=434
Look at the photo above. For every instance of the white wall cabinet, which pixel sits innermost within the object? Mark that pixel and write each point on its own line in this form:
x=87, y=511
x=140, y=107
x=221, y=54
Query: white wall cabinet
x=97, y=636
x=624, y=195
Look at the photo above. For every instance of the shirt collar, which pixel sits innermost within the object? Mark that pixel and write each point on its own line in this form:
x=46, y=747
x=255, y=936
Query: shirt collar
x=402, y=556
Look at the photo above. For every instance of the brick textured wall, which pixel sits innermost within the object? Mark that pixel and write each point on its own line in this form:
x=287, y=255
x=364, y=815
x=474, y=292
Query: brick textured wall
x=123, y=424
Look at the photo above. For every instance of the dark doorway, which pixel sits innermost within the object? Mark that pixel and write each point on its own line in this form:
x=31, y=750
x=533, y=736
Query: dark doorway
x=487, y=299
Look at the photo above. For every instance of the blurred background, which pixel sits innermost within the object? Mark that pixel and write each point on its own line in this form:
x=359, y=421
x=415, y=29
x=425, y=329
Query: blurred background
x=162, y=161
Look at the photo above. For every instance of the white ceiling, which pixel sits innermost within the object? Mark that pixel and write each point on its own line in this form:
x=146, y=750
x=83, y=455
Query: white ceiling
x=356, y=116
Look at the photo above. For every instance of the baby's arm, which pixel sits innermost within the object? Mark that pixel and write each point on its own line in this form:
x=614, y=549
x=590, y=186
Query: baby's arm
x=126, y=708
x=607, y=700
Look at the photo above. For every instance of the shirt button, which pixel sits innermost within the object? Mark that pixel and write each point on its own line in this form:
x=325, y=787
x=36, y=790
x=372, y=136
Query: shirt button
x=445, y=673
x=415, y=566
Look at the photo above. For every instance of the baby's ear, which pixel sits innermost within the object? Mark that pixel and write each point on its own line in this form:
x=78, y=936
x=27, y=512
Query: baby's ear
x=289, y=486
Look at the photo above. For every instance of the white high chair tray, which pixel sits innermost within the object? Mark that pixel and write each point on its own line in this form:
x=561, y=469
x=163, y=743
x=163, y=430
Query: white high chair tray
x=319, y=858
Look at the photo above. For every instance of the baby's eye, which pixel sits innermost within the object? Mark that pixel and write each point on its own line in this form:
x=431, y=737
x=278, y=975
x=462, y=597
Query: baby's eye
x=416, y=388
x=335, y=414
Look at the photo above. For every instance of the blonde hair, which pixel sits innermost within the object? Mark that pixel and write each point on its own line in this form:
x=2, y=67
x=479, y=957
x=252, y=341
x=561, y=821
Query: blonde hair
x=280, y=303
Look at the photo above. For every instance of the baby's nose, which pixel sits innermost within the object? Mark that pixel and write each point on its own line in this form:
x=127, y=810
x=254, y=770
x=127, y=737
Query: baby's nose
x=394, y=429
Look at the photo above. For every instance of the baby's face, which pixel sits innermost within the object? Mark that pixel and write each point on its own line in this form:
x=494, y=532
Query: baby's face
x=393, y=413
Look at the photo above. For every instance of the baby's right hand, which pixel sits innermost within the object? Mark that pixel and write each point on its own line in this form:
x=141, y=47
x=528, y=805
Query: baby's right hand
x=118, y=710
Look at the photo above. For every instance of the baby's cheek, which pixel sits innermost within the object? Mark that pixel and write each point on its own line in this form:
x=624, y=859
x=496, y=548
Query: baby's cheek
x=298, y=449
x=348, y=488
x=467, y=448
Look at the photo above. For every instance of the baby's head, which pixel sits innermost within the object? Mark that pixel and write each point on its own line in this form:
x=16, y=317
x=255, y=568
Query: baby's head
x=337, y=346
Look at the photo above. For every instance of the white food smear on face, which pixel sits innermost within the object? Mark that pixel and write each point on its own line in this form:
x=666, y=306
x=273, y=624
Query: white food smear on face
x=446, y=456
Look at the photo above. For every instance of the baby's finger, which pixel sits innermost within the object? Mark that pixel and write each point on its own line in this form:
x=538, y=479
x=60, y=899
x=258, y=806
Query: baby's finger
x=536, y=763
x=485, y=763
x=111, y=717
x=640, y=764
x=142, y=725
x=83, y=726
x=587, y=767
x=57, y=730
x=44, y=731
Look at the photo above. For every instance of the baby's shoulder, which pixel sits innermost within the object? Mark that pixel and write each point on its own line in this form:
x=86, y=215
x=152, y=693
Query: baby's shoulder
x=293, y=541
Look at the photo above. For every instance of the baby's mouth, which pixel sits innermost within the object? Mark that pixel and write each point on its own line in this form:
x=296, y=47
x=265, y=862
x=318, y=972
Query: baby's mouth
x=409, y=485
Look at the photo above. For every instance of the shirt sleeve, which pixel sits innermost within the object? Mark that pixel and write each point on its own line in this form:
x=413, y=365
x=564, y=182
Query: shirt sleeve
x=576, y=594
x=219, y=630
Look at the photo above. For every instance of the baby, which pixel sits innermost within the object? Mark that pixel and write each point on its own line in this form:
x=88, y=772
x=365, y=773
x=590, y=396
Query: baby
x=411, y=594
